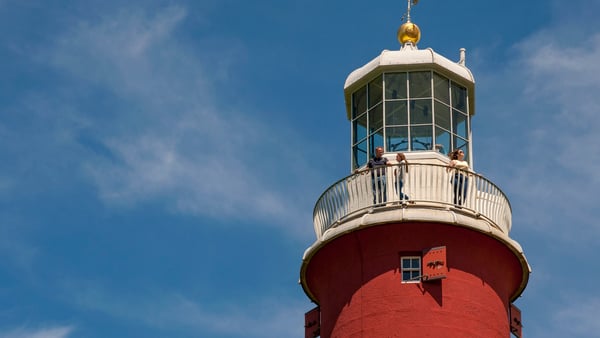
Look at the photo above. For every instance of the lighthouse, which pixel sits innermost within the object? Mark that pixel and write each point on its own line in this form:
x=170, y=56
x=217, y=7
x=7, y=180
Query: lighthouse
x=413, y=242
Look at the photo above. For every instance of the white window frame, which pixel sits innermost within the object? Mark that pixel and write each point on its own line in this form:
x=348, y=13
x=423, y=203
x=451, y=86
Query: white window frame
x=411, y=270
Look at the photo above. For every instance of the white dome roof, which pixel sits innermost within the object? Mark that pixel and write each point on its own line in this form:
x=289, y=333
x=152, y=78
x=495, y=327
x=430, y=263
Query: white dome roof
x=410, y=58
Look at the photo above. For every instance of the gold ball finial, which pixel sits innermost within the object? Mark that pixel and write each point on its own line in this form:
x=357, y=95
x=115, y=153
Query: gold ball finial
x=409, y=32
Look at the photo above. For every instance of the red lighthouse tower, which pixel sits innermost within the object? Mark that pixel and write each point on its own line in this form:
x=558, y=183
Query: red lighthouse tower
x=413, y=246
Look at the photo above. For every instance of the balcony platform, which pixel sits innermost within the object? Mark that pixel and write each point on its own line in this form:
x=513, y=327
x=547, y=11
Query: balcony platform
x=357, y=201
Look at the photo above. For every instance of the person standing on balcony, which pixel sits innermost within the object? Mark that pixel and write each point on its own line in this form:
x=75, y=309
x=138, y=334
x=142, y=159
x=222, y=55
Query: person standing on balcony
x=460, y=181
x=399, y=173
x=377, y=165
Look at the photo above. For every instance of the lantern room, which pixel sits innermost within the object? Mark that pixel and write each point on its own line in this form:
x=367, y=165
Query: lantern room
x=412, y=101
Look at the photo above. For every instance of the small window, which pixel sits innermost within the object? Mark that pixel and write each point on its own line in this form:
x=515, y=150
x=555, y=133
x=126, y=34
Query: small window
x=411, y=269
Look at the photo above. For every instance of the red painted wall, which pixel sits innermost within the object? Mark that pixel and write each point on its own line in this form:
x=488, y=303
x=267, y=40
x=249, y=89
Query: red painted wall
x=357, y=282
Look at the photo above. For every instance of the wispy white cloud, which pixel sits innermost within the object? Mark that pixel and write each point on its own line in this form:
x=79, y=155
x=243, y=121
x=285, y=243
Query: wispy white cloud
x=45, y=332
x=557, y=175
x=168, y=311
x=16, y=251
x=549, y=163
x=573, y=315
x=269, y=318
x=164, y=132
x=579, y=317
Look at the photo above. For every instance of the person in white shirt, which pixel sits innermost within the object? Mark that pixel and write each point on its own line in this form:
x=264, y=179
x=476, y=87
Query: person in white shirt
x=399, y=173
x=460, y=181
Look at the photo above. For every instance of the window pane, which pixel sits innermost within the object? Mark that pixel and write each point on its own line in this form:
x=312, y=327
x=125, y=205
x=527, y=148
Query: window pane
x=420, y=111
x=459, y=123
x=421, y=137
x=359, y=128
x=442, y=115
x=416, y=263
x=420, y=84
x=359, y=154
x=397, y=138
x=376, y=118
x=459, y=97
x=359, y=102
x=442, y=140
x=411, y=269
x=460, y=143
x=441, y=88
x=375, y=91
x=375, y=140
x=396, y=113
x=395, y=86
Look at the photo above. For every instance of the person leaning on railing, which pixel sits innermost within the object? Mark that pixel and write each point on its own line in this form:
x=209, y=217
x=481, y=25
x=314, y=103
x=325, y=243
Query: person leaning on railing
x=460, y=180
x=377, y=167
x=399, y=173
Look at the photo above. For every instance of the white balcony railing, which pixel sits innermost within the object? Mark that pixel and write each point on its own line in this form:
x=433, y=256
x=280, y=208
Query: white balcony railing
x=426, y=185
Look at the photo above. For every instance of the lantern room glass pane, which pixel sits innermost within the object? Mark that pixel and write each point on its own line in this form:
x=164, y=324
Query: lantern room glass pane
x=419, y=84
x=462, y=144
x=359, y=154
x=375, y=91
x=459, y=97
x=442, y=141
x=375, y=140
x=396, y=113
x=359, y=128
x=376, y=118
x=459, y=122
x=441, y=88
x=421, y=137
x=396, y=138
x=359, y=102
x=442, y=115
x=409, y=111
x=395, y=86
x=420, y=111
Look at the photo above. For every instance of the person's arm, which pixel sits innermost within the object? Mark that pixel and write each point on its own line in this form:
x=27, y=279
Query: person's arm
x=358, y=170
x=450, y=165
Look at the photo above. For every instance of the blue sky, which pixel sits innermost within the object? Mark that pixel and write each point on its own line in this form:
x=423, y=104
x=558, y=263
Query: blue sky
x=161, y=159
